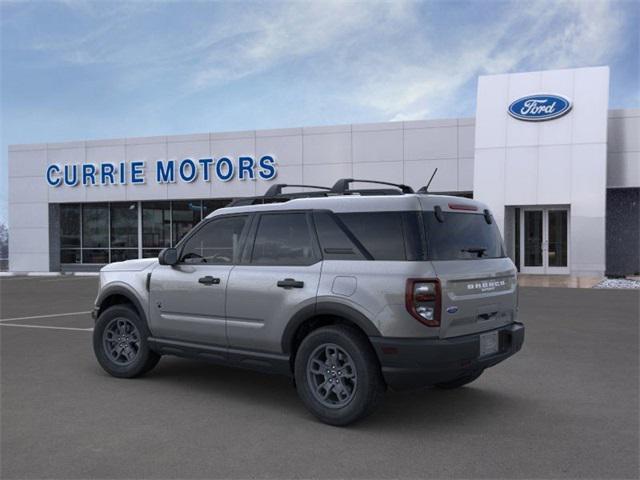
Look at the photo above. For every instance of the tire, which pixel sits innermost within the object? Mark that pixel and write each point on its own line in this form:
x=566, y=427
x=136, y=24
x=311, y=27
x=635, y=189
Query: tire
x=337, y=375
x=460, y=382
x=130, y=358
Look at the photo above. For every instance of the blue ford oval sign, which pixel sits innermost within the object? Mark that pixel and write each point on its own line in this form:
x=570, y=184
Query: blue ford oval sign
x=536, y=108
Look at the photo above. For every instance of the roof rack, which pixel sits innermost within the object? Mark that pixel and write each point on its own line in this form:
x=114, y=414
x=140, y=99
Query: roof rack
x=275, y=194
x=277, y=188
x=342, y=185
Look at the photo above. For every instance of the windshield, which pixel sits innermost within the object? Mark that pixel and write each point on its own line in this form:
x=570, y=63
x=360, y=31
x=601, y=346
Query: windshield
x=461, y=236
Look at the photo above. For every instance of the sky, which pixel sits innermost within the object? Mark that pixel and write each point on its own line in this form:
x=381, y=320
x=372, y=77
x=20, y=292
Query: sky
x=77, y=70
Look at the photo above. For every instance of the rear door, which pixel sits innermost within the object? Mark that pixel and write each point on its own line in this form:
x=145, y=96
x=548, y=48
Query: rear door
x=478, y=282
x=278, y=276
x=187, y=301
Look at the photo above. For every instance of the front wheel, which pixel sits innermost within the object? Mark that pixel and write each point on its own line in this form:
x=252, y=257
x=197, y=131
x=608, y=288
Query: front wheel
x=120, y=343
x=337, y=375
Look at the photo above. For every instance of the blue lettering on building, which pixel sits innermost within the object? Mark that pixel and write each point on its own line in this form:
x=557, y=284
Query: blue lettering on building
x=71, y=175
x=224, y=169
x=107, y=173
x=53, y=178
x=165, y=171
x=186, y=170
x=245, y=168
x=206, y=168
x=267, y=168
x=88, y=174
x=137, y=173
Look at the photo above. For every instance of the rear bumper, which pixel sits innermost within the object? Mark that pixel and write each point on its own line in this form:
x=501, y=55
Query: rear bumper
x=413, y=363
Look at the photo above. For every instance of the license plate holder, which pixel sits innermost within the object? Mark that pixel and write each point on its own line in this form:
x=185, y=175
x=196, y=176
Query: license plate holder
x=489, y=344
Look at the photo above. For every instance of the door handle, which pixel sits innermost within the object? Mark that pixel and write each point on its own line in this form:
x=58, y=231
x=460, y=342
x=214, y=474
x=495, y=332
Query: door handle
x=290, y=283
x=209, y=280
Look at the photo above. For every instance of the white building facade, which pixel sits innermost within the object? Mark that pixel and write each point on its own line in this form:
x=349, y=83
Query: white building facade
x=559, y=170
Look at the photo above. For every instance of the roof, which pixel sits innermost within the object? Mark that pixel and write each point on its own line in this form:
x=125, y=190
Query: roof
x=364, y=203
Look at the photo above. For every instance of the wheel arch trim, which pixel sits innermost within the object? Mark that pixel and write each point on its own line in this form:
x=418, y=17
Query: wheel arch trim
x=123, y=291
x=329, y=309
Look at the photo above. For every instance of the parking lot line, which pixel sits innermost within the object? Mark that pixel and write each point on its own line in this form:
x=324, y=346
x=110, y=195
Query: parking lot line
x=35, y=317
x=90, y=329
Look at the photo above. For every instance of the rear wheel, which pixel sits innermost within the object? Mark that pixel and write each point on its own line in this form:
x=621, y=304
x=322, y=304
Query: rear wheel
x=460, y=382
x=337, y=375
x=120, y=343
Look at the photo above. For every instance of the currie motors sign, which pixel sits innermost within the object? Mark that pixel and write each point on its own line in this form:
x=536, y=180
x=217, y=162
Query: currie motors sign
x=540, y=107
x=187, y=170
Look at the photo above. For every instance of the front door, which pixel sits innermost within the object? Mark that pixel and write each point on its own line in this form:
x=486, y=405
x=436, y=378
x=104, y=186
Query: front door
x=544, y=245
x=187, y=301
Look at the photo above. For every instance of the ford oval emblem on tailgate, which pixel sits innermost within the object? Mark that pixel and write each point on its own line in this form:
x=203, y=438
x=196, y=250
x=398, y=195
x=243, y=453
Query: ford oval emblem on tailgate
x=452, y=309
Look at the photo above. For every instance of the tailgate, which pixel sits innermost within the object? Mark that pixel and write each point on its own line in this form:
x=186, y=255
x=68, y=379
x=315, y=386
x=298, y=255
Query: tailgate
x=477, y=295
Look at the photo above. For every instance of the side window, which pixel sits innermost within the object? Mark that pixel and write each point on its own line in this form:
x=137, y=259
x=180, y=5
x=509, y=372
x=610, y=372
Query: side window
x=334, y=241
x=381, y=233
x=283, y=239
x=216, y=243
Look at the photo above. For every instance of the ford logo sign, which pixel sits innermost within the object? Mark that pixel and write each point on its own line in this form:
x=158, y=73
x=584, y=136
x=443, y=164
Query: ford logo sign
x=536, y=108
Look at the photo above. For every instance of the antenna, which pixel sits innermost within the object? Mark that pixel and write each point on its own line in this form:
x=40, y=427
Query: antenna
x=425, y=189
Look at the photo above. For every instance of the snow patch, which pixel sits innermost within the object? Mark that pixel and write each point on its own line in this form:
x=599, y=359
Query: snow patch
x=618, y=283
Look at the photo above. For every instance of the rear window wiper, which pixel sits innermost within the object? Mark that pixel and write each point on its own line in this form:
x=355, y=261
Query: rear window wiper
x=478, y=250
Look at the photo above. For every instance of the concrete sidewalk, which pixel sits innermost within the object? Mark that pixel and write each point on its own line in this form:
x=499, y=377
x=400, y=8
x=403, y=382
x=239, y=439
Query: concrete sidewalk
x=557, y=281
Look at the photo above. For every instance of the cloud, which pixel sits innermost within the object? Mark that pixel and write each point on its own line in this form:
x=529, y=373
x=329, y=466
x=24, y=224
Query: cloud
x=293, y=31
x=524, y=36
x=397, y=59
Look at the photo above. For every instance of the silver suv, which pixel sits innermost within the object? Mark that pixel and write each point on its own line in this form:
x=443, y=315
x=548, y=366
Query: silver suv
x=346, y=291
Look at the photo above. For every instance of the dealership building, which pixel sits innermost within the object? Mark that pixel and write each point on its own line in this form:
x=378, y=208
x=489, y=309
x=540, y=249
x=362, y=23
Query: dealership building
x=559, y=170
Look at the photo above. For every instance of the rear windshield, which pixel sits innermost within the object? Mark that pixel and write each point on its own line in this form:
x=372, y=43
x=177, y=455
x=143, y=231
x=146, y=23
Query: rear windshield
x=461, y=236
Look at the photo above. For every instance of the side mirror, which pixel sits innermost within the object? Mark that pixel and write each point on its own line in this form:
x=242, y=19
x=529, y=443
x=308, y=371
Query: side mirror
x=168, y=256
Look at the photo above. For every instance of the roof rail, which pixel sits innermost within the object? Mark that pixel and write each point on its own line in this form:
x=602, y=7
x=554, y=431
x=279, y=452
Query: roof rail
x=276, y=189
x=275, y=195
x=342, y=185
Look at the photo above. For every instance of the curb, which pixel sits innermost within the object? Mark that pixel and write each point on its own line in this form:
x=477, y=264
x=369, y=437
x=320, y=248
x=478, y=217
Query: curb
x=49, y=274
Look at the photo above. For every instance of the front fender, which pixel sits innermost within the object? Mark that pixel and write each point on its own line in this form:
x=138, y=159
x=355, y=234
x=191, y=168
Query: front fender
x=125, y=290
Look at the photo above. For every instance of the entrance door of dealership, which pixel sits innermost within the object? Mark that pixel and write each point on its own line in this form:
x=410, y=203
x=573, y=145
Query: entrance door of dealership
x=542, y=240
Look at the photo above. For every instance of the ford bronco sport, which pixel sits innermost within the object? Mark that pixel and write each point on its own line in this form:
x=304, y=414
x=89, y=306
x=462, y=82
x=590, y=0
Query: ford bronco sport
x=347, y=291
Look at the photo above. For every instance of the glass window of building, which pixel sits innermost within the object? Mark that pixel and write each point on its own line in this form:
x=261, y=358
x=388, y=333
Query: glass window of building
x=185, y=215
x=124, y=231
x=95, y=255
x=209, y=206
x=156, y=227
x=95, y=233
x=108, y=232
x=70, y=233
x=95, y=225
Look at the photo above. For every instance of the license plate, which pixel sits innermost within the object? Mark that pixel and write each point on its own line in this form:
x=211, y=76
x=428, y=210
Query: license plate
x=488, y=344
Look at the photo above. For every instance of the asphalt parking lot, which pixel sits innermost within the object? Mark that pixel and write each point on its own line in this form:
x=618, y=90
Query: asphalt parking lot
x=566, y=406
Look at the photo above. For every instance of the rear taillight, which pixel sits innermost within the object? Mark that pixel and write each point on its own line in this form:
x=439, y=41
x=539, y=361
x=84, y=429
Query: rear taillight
x=422, y=299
